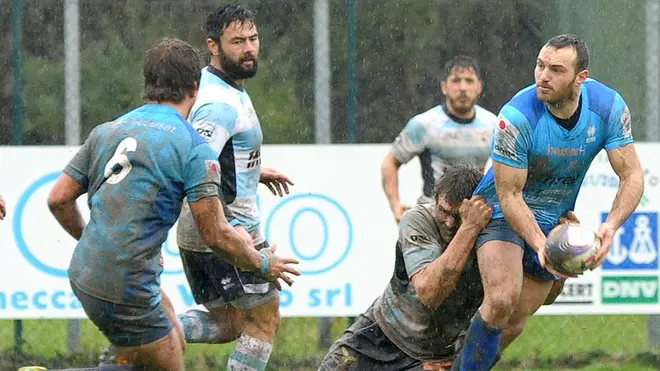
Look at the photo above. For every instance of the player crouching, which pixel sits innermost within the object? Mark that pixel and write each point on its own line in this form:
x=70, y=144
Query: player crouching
x=420, y=319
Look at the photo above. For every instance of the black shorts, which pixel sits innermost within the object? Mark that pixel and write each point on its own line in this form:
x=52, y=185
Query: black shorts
x=364, y=346
x=215, y=282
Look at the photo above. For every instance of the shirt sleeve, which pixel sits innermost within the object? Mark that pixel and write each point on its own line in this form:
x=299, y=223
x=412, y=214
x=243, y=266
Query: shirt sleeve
x=619, y=125
x=78, y=167
x=202, y=173
x=410, y=142
x=417, y=241
x=511, y=138
x=216, y=122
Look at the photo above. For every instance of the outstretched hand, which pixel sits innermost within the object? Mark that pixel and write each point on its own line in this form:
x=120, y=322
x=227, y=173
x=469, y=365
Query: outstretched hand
x=275, y=268
x=277, y=183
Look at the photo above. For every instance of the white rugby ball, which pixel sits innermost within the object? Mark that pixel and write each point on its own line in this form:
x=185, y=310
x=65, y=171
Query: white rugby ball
x=569, y=246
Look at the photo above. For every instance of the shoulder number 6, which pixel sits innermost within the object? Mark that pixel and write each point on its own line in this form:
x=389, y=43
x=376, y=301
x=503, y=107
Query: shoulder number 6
x=119, y=166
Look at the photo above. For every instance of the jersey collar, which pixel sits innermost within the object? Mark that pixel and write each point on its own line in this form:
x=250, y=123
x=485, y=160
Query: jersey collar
x=223, y=77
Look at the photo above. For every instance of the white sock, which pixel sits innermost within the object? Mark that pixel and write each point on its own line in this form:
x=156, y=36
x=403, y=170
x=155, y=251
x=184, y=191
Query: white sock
x=250, y=354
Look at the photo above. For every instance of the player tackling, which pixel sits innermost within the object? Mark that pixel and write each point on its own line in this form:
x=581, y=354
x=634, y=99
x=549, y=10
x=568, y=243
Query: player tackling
x=419, y=321
x=545, y=140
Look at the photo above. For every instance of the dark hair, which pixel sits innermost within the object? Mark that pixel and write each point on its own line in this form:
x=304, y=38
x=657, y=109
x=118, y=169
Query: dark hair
x=461, y=61
x=457, y=183
x=569, y=40
x=171, y=71
x=223, y=16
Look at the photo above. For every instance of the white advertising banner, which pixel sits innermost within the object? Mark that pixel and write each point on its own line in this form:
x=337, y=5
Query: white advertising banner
x=336, y=221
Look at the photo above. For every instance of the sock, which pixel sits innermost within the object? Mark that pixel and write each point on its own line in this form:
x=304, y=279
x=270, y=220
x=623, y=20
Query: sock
x=199, y=327
x=497, y=359
x=250, y=354
x=482, y=342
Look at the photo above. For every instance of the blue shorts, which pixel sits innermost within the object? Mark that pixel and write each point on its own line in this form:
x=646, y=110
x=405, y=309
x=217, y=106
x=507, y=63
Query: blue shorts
x=499, y=230
x=123, y=325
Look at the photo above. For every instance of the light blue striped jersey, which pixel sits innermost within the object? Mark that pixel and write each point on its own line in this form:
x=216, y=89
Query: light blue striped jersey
x=224, y=115
x=439, y=139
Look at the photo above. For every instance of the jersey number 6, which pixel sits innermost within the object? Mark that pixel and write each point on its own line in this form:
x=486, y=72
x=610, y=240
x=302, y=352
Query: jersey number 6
x=119, y=166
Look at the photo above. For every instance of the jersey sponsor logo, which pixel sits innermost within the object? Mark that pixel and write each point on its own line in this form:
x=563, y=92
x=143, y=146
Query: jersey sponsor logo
x=254, y=159
x=625, y=123
x=567, y=151
x=213, y=170
x=591, y=134
x=205, y=129
x=506, y=136
x=559, y=180
x=419, y=238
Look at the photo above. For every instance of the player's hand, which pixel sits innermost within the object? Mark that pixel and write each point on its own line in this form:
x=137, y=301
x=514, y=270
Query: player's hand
x=398, y=211
x=275, y=181
x=278, y=268
x=3, y=210
x=569, y=218
x=545, y=263
x=475, y=212
x=606, y=234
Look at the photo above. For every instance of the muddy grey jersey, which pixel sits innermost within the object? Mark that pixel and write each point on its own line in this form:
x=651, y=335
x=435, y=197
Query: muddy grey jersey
x=440, y=139
x=425, y=333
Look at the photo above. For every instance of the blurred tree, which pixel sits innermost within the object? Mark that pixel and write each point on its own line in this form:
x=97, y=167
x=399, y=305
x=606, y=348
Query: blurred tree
x=402, y=47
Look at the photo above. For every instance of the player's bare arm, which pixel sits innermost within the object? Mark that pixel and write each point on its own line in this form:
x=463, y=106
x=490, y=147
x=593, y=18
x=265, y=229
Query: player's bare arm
x=625, y=163
x=390, y=177
x=228, y=244
x=275, y=181
x=63, y=206
x=435, y=282
x=3, y=209
x=509, y=184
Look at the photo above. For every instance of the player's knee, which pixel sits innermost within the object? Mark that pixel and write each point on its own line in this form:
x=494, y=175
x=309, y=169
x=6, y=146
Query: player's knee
x=498, y=307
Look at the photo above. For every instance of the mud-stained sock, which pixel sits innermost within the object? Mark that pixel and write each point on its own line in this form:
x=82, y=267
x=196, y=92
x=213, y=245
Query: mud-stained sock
x=250, y=354
x=199, y=327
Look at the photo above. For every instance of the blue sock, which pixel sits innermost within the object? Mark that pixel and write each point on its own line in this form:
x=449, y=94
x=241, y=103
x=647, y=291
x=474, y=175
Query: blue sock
x=481, y=345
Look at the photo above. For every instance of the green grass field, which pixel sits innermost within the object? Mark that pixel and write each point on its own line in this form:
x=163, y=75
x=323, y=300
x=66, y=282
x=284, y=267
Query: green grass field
x=594, y=343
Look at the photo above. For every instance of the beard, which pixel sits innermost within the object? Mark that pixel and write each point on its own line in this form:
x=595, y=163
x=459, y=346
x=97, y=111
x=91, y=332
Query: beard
x=461, y=107
x=562, y=99
x=235, y=69
x=563, y=96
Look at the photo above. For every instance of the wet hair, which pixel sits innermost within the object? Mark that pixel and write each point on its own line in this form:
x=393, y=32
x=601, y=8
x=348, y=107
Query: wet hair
x=461, y=61
x=581, y=49
x=457, y=183
x=224, y=15
x=171, y=70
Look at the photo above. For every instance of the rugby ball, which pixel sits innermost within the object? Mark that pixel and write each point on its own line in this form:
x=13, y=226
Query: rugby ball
x=569, y=246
